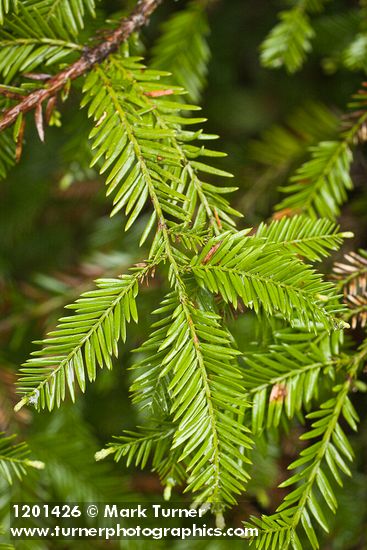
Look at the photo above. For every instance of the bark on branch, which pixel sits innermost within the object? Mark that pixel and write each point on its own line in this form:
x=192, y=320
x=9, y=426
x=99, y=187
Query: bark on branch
x=90, y=57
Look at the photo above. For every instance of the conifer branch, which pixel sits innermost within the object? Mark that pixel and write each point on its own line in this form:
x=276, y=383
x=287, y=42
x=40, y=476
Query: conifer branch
x=352, y=280
x=237, y=266
x=189, y=383
x=14, y=461
x=289, y=41
x=81, y=342
x=282, y=387
x=89, y=59
x=129, y=105
x=204, y=395
x=301, y=506
x=284, y=378
x=185, y=158
x=319, y=187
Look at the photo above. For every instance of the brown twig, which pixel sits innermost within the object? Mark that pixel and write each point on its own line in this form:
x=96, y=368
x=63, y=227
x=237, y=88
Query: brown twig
x=90, y=57
x=9, y=94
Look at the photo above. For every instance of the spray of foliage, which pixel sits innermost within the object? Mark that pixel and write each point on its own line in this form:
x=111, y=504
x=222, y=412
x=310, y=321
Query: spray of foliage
x=205, y=404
